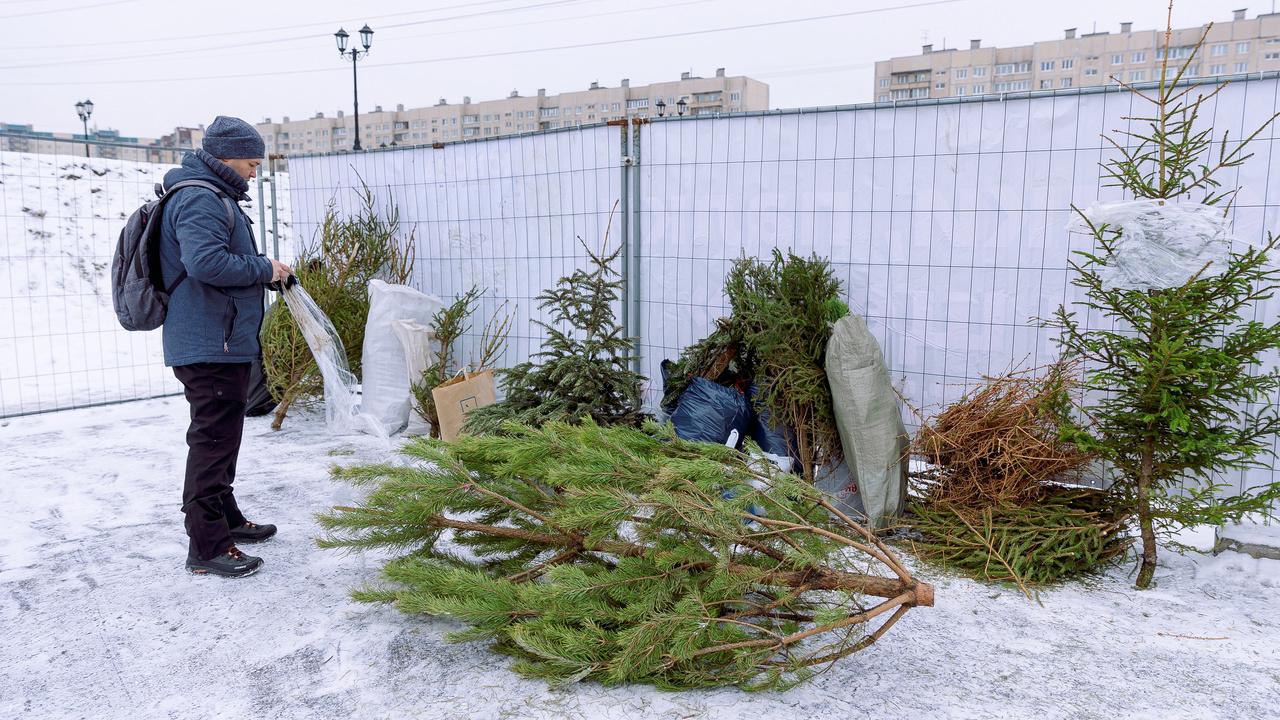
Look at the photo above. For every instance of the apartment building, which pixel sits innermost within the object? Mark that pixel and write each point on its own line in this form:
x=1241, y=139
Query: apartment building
x=516, y=113
x=1240, y=45
x=103, y=143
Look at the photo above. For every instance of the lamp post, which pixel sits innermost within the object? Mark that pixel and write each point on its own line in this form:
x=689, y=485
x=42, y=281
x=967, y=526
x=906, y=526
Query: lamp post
x=662, y=107
x=366, y=39
x=681, y=106
x=84, y=109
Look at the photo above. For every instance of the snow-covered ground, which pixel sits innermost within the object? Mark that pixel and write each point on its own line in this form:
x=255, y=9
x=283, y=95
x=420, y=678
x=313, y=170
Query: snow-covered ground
x=60, y=344
x=98, y=619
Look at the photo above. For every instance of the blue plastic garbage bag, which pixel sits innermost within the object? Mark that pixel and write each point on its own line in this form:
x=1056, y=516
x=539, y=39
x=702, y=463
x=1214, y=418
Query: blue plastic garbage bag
x=707, y=412
x=775, y=440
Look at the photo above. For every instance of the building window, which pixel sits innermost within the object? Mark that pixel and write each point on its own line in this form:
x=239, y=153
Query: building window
x=617, y=107
x=1194, y=70
x=962, y=73
x=469, y=119
x=1138, y=76
x=1140, y=56
x=1068, y=63
x=883, y=98
x=737, y=96
x=979, y=72
x=1013, y=68
x=959, y=90
x=1117, y=59
x=1066, y=82
x=1220, y=69
x=637, y=103
x=940, y=86
x=1014, y=86
x=1271, y=56
x=920, y=92
x=1176, y=53
x=1046, y=84
x=979, y=89
x=1242, y=47
x=1046, y=65
x=1242, y=67
x=1090, y=72
x=1218, y=50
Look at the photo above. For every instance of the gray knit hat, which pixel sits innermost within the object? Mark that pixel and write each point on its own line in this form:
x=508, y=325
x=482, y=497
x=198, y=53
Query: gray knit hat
x=229, y=138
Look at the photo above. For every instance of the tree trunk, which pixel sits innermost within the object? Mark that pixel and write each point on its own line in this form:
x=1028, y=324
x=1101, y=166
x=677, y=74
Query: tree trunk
x=1148, y=569
x=281, y=409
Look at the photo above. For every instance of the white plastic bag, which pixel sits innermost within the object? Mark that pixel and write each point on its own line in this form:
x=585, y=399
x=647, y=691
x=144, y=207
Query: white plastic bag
x=386, y=378
x=418, y=341
x=1160, y=246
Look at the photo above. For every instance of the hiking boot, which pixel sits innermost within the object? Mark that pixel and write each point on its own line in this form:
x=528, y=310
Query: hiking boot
x=252, y=532
x=231, y=563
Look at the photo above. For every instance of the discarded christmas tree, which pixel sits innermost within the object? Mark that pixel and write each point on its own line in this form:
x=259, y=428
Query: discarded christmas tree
x=1000, y=500
x=449, y=325
x=336, y=274
x=625, y=555
x=583, y=369
x=1176, y=394
x=776, y=337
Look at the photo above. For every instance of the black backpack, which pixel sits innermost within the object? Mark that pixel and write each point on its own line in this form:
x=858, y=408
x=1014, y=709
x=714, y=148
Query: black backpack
x=137, y=289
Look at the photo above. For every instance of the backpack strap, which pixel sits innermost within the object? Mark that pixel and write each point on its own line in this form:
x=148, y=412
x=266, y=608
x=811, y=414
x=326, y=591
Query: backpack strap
x=164, y=194
x=226, y=201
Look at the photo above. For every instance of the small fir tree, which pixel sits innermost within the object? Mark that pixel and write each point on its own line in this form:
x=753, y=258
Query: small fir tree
x=625, y=555
x=1174, y=395
x=449, y=325
x=584, y=368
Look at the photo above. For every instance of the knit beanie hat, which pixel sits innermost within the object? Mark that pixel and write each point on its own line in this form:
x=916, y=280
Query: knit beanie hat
x=229, y=138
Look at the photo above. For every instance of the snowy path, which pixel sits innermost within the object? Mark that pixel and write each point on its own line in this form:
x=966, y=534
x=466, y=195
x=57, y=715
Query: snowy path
x=99, y=620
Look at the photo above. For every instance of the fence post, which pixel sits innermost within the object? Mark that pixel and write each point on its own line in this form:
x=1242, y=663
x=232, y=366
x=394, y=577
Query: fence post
x=636, y=239
x=275, y=207
x=624, y=202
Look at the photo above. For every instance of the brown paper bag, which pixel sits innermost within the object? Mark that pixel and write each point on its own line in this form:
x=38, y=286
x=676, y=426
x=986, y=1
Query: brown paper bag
x=459, y=395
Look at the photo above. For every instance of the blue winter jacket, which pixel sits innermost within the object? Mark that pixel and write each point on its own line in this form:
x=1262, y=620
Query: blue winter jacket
x=215, y=314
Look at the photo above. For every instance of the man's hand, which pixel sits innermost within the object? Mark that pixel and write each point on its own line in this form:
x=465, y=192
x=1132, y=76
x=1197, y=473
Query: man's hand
x=279, y=271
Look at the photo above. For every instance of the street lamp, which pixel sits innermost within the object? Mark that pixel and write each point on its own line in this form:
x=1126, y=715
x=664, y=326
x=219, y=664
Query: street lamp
x=84, y=109
x=681, y=106
x=366, y=39
x=662, y=108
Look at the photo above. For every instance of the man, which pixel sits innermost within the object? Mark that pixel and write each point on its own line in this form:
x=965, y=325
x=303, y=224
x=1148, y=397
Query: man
x=211, y=335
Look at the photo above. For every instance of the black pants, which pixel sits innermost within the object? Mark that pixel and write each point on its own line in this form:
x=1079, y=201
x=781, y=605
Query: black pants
x=216, y=393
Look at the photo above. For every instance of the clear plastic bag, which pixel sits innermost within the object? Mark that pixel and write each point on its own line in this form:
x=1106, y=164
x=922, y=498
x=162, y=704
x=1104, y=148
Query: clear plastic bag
x=341, y=401
x=1160, y=245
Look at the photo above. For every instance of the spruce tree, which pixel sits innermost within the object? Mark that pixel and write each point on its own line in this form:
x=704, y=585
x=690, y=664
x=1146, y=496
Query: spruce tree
x=1175, y=395
x=583, y=369
x=625, y=555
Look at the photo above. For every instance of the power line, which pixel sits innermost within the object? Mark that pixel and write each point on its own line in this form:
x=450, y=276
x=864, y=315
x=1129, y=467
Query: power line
x=241, y=33
x=219, y=48
x=67, y=9
x=295, y=38
x=510, y=53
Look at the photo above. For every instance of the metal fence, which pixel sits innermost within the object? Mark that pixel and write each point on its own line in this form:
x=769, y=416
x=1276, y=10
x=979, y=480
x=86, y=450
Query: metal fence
x=60, y=344
x=946, y=219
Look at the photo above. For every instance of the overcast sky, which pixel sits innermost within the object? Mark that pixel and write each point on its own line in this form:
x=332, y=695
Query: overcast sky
x=150, y=65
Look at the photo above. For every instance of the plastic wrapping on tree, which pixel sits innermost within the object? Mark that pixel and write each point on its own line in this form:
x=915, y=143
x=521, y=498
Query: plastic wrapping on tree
x=386, y=378
x=1159, y=245
x=341, y=402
